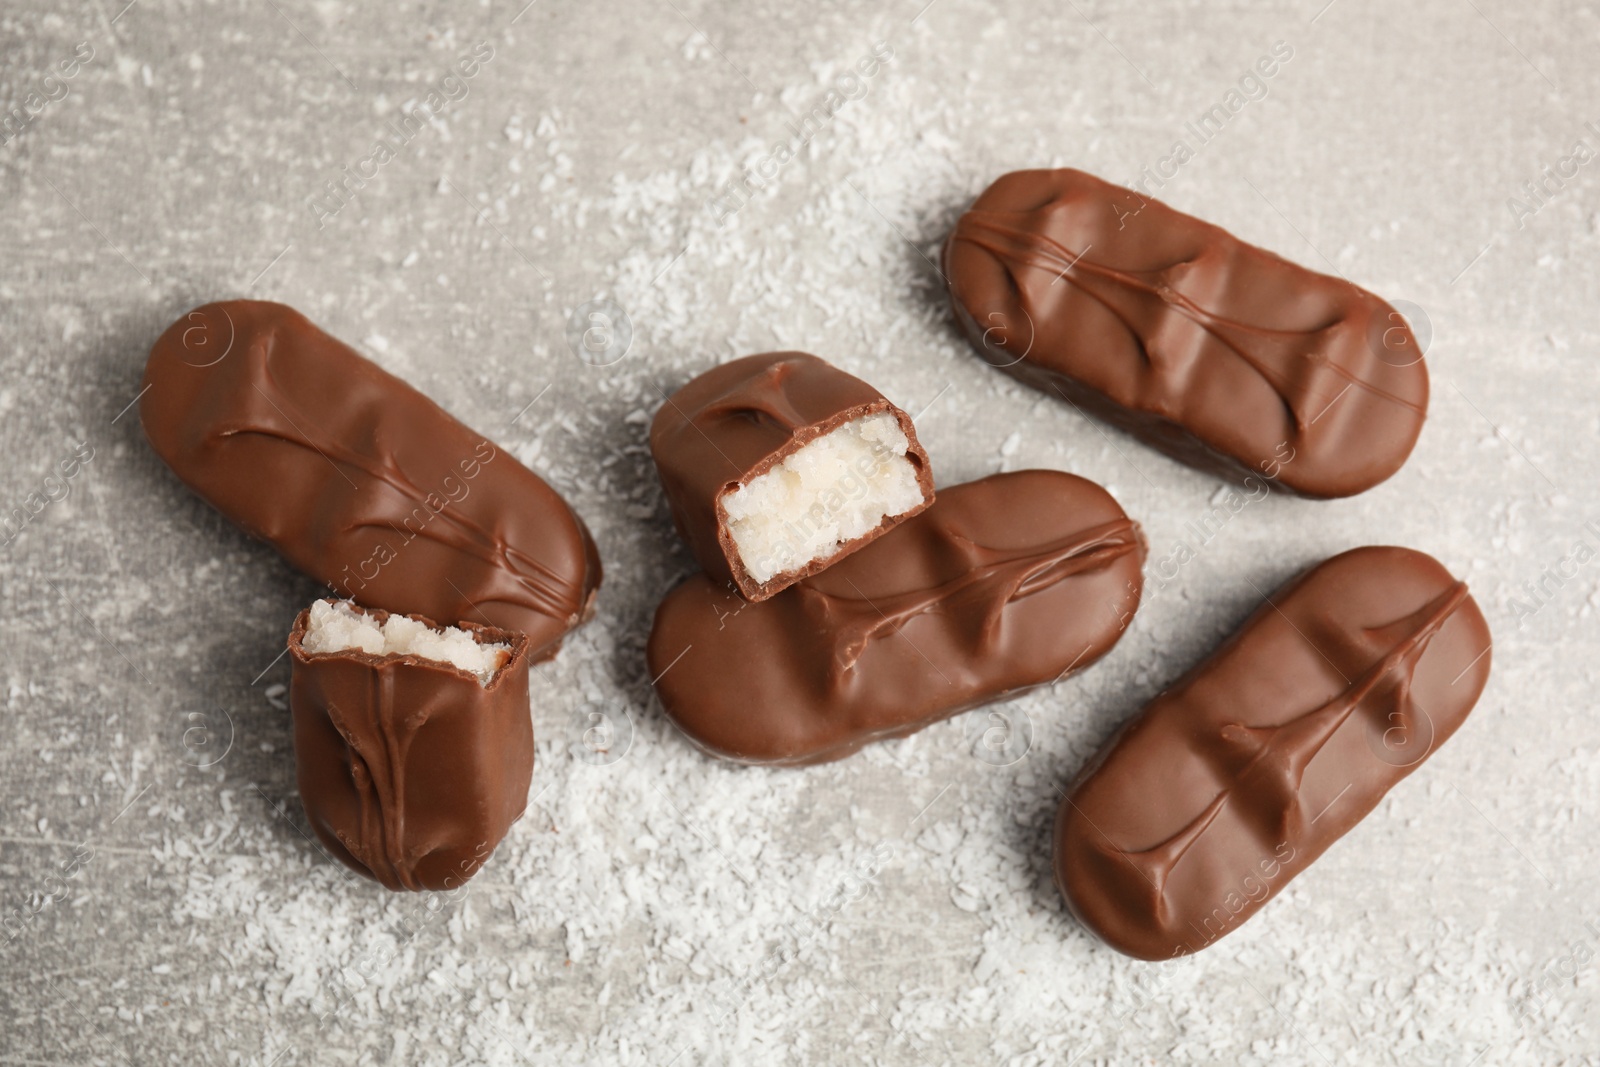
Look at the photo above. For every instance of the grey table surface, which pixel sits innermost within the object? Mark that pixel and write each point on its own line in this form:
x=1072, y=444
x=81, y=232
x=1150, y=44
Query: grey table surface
x=160, y=901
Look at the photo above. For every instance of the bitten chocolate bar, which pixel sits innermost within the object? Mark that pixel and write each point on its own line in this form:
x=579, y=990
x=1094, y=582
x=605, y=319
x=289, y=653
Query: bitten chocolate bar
x=1230, y=783
x=358, y=479
x=1004, y=583
x=777, y=465
x=413, y=742
x=1218, y=353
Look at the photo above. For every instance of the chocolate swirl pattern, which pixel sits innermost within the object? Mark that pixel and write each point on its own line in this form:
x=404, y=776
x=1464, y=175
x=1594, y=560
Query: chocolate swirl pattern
x=1218, y=353
x=411, y=771
x=975, y=599
x=1004, y=583
x=358, y=479
x=1210, y=801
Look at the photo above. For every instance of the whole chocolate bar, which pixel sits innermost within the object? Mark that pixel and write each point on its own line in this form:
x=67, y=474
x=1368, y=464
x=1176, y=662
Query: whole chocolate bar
x=1234, y=780
x=358, y=479
x=1218, y=353
x=411, y=769
x=779, y=464
x=1007, y=582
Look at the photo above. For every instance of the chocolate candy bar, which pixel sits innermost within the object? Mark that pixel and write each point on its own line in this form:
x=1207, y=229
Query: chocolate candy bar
x=777, y=465
x=1005, y=583
x=413, y=742
x=358, y=479
x=1220, y=354
x=1234, y=780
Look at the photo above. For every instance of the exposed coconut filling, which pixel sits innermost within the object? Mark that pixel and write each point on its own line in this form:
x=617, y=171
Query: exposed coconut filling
x=827, y=493
x=336, y=626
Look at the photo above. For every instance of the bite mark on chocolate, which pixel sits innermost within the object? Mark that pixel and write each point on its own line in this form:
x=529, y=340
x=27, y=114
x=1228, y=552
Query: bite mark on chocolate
x=1004, y=584
x=779, y=465
x=411, y=768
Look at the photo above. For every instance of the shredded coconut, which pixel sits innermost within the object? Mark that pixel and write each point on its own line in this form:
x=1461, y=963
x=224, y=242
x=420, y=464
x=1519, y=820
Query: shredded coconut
x=655, y=906
x=831, y=491
x=337, y=626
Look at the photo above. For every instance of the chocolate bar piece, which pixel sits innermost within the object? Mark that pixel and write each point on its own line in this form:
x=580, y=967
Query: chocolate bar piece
x=1230, y=783
x=777, y=465
x=413, y=742
x=1005, y=583
x=358, y=479
x=1218, y=353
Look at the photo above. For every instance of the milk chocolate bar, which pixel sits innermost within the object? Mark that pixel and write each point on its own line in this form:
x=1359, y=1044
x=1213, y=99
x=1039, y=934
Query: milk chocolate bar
x=358, y=479
x=1218, y=353
x=411, y=770
x=1230, y=783
x=778, y=465
x=1004, y=583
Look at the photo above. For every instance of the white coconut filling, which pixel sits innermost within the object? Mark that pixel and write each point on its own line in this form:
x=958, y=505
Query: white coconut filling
x=335, y=626
x=829, y=492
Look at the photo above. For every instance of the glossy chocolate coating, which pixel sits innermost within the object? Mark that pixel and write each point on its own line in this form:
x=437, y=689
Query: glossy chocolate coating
x=411, y=771
x=1004, y=583
x=358, y=479
x=1241, y=774
x=736, y=421
x=1220, y=354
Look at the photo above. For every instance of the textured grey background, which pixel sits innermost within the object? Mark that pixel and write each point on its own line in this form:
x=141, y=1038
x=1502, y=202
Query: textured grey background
x=159, y=899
